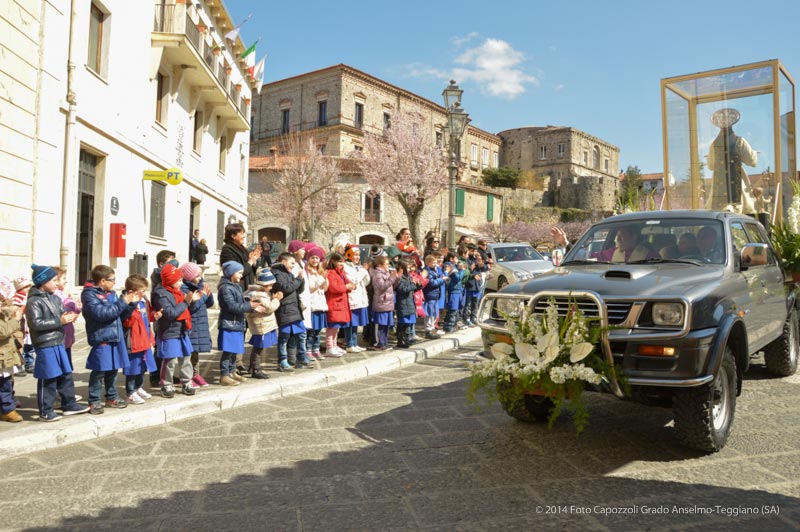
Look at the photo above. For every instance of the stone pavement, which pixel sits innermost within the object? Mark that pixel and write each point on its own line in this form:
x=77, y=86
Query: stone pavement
x=33, y=435
x=402, y=451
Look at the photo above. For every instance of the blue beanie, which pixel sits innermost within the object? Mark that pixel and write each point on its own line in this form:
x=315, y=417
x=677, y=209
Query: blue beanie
x=42, y=274
x=231, y=267
x=265, y=276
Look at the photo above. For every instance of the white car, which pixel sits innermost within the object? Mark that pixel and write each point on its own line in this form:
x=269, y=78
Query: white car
x=513, y=262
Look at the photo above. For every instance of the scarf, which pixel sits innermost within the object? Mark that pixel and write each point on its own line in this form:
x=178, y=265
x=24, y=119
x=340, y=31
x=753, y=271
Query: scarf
x=169, y=275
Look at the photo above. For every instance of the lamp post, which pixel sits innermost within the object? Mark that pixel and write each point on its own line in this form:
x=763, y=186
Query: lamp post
x=456, y=123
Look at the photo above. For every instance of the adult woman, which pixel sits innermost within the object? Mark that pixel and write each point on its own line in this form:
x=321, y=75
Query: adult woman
x=234, y=250
x=431, y=245
x=404, y=241
x=201, y=251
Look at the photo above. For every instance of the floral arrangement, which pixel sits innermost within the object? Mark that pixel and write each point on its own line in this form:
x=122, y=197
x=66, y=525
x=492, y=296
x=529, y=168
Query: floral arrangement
x=551, y=355
x=786, y=237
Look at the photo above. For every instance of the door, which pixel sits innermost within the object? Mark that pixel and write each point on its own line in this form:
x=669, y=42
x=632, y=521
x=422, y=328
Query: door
x=87, y=172
x=194, y=219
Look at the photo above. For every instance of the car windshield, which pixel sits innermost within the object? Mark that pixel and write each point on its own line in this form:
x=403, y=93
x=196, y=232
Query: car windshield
x=691, y=240
x=516, y=253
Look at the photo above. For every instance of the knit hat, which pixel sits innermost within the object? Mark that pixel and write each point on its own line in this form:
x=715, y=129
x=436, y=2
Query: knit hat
x=295, y=245
x=190, y=271
x=377, y=251
x=316, y=251
x=6, y=287
x=265, y=277
x=174, y=262
x=308, y=246
x=230, y=268
x=350, y=251
x=393, y=251
x=22, y=282
x=42, y=274
x=170, y=274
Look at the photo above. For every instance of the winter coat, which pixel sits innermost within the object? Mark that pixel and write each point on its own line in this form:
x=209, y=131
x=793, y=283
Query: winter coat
x=455, y=285
x=200, y=253
x=474, y=284
x=43, y=314
x=9, y=329
x=137, y=336
x=304, y=294
x=200, y=335
x=359, y=276
x=257, y=322
x=231, y=251
x=291, y=286
x=232, y=306
x=317, y=285
x=168, y=325
x=433, y=290
x=383, y=283
x=103, y=312
x=338, y=303
x=419, y=296
x=405, y=296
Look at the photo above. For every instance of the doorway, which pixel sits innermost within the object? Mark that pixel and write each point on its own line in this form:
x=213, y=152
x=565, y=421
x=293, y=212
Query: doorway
x=194, y=222
x=87, y=174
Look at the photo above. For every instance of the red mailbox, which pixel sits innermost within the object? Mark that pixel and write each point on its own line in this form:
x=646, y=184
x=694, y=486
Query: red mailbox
x=118, y=235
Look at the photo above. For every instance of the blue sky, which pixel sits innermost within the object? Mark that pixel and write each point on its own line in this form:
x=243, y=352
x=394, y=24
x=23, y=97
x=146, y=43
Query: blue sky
x=591, y=64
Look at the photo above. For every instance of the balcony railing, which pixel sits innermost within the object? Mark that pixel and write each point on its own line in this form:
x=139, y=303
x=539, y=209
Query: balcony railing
x=234, y=93
x=243, y=107
x=222, y=75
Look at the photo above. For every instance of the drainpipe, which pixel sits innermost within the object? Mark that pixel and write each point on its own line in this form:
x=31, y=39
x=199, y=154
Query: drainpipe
x=70, y=189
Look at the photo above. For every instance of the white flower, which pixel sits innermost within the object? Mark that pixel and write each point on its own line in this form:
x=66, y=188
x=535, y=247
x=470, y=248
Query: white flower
x=580, y=351
x=527, y=353
x=548, y=346
x=502, y=350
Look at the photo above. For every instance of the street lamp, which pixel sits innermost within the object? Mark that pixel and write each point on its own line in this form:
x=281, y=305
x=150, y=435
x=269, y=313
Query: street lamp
x=456, y=123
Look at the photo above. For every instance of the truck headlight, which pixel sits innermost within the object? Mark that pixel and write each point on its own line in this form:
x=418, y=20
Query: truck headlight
x=668, y=314
x=511, y=307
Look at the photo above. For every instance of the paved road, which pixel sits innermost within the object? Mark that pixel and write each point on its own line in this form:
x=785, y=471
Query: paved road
x=402, y=451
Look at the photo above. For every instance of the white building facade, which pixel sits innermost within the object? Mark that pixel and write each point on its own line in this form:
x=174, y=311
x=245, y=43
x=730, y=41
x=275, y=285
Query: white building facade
x=100, y=93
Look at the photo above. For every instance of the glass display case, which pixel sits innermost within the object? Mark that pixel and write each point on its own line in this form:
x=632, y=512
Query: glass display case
x=729, y=139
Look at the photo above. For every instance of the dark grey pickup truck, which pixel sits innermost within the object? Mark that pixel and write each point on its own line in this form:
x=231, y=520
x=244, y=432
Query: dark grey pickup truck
x=685, y=298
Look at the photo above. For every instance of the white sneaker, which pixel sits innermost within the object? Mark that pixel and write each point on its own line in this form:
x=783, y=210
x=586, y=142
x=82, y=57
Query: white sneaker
x=78, y=397
x=143, y=394
x=360, y=349
x=353, y=349
x=135, y=399
x=334, y=352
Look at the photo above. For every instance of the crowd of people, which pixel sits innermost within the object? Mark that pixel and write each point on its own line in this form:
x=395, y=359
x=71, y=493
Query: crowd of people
x=161, y=326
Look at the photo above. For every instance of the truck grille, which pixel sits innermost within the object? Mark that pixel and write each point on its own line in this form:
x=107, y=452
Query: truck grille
x=617, y=311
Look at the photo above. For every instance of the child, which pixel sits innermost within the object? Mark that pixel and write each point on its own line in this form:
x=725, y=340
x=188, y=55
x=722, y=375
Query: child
x=10, y=318
x=474, y=290
x=174, y=325
x=70, y=305
x=443, y=292
x=46, y=316
x=103, y=312
x=453, y=271
x=162, y=257
x=139, y=341
x=263, y=326
x=232, y=308
x=338, y=304
x=404, y=306
x=356, y=298
x=431, y=291
x=291, y=328
x=22, y=285
x=317, y=282
x=464, y=262
x=200, y=334
x=382, y=309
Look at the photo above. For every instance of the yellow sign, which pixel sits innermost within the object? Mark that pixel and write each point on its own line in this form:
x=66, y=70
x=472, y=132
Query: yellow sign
x=173, y=176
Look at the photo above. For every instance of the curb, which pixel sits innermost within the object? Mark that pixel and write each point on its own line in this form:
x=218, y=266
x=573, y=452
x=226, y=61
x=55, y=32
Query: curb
x=38, y=436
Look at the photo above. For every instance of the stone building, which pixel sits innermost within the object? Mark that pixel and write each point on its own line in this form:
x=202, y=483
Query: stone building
x=98, y=93
x=338, y=105
x=578, y=170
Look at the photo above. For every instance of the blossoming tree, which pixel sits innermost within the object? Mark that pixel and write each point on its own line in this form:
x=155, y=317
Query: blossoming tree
x=404, y=163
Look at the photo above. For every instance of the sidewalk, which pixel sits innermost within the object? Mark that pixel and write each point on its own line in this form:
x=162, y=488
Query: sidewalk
x=32, y=435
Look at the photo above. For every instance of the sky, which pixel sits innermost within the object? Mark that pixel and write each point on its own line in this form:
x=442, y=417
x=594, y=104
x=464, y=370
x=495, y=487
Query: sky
x=594, y=65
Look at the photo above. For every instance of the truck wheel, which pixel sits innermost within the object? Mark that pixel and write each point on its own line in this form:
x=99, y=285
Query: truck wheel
x=781, y=354
x=502, y=282
x=704, y=414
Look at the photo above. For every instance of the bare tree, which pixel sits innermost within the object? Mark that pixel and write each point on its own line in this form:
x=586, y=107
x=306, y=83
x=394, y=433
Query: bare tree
x=405, y=164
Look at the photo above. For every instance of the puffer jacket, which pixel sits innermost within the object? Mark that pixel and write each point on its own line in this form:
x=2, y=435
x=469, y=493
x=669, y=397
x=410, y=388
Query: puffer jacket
x=338, y=305
x=10, y=327
x=317, y=285
x=257, y=322
x=168, y=326
x=359, y=276
x=383, y=283
x=43, y=314
x=103, y=312
x=406, y=288
x=291, y=286
x=200, y=335
x=232, y=306
x=433, y=289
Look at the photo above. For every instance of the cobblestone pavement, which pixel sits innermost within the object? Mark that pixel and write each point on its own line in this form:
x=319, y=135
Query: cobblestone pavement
x=403, y=451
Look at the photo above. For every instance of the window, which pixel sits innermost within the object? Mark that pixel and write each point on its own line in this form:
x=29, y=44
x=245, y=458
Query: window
x=596, y=158
x=220, y=229
x=242, y=171
x=485, y=157
x=358, y=120
x=605, y=165
x=223, y=153
x=387, y=121
x=495, y=160
x=542, y=152
x=585, y=158
x=285, y=121
x=97, y=21
x=561, y=149
x=439, y=139
x=322, y=113
x=371, y=207
x=474, y=155
x=358, y=148
x=162, y=90
x=460, y=196
x=158, y=200
x=321, y=148
x=197, y=140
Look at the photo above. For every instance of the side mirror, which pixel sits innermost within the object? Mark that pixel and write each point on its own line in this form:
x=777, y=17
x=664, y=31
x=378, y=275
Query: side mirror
x=754, y=255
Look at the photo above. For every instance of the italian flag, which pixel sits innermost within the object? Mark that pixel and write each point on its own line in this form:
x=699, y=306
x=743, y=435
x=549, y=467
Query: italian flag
x=249, y=51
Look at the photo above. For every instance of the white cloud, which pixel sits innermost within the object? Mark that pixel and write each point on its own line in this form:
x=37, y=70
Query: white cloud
x=494, y=65
x=558, y=87
x=461, y=41
x=421, y=70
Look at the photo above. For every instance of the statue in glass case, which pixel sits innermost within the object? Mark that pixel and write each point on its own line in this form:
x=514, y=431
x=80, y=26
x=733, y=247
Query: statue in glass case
x=727, y=155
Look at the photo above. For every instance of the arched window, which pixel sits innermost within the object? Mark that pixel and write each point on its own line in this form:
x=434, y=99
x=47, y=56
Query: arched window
x=596, y=158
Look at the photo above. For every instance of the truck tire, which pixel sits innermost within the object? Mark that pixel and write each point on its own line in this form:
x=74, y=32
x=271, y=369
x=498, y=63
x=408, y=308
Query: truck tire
x=780, y=355
x=529, y=408
x=704, y=414
x=502, y=282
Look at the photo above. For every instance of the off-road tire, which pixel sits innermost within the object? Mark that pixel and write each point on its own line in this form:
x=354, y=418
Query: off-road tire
x=529, y=408
x=780, y=355
x=693, y=409
x=502, y=282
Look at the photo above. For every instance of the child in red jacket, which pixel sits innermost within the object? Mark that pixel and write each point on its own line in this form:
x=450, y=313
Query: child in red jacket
x=139, y=340
x=338, y=305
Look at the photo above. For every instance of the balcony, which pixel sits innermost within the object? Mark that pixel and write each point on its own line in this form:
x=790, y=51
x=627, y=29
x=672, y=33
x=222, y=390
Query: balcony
x=184, y=46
